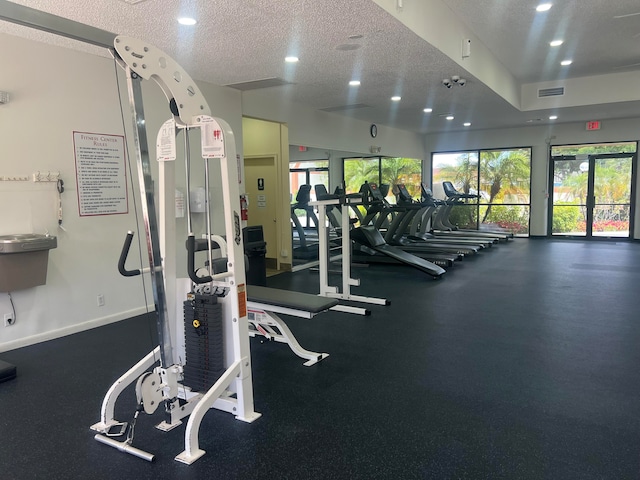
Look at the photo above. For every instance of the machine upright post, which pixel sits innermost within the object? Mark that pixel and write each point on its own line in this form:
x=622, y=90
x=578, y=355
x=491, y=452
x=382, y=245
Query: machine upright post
x=149, y=212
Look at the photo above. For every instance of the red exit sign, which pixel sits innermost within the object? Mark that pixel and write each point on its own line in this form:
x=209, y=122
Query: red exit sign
x=593, y=125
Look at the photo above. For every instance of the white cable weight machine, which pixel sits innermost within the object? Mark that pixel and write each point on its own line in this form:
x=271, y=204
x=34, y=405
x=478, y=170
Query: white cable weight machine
x=213, y=296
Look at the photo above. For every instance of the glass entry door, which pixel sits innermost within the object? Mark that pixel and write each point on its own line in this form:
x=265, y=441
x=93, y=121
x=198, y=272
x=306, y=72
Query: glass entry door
x=592, y=195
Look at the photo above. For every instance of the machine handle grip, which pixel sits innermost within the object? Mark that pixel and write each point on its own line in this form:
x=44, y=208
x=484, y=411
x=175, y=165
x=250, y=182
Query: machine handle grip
x=191, y=254
x=123, y=258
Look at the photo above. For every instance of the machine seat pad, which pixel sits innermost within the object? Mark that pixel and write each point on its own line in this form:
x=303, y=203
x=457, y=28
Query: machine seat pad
x=288, y=299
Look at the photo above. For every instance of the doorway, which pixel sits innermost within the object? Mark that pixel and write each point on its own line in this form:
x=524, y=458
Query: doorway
x=592, y=195
x=261, y=188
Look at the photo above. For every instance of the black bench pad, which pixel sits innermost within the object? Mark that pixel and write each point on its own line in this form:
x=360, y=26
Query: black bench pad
x=288, y=299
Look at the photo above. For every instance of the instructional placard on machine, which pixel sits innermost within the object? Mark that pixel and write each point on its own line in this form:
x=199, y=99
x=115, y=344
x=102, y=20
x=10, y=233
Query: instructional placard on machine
x=211, y=138
x=100, y=174
x=166, y=142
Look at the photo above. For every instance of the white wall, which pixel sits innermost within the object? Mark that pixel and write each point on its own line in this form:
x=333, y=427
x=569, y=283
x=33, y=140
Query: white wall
x=56, y=91
x=538, y=138
x=314, y=128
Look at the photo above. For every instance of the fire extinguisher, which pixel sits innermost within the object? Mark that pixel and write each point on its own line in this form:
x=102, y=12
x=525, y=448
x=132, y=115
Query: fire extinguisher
x=244, y=207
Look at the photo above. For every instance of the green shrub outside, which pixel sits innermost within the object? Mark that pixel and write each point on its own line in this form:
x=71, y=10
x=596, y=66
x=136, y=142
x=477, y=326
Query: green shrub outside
x=463, y=216
x=565, y=219
x=513, y=218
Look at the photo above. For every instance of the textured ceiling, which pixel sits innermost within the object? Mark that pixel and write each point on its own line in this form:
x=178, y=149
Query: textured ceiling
x=246, y=40
x=594, y=38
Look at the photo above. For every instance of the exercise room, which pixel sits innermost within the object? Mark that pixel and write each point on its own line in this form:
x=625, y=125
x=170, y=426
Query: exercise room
x=295, y=239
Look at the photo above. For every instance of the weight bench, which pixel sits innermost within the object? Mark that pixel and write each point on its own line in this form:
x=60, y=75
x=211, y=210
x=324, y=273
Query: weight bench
x=263, y=306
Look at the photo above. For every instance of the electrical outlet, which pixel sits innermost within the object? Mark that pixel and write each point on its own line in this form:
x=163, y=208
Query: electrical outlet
x=100, y=300
x=9, y=320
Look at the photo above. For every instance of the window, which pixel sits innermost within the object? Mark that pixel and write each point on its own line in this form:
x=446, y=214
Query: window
x=501, y=179
x=383, y=170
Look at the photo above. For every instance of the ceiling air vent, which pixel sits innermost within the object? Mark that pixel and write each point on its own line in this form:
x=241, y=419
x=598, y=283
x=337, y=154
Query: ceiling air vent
x=550, y=92
x=256, y=84
x=342, y=108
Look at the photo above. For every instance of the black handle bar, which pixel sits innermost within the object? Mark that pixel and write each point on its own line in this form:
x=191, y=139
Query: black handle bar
x=123, y=258
x=191, y=254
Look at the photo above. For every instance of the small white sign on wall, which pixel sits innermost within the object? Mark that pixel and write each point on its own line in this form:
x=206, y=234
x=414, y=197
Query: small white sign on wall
x=101, y=175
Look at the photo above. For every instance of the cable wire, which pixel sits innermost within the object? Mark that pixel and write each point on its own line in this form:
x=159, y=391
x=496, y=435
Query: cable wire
x=13, y=307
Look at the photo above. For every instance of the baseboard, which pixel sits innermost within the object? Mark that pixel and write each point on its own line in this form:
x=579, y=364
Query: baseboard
x=70, y=330
x=271, y=263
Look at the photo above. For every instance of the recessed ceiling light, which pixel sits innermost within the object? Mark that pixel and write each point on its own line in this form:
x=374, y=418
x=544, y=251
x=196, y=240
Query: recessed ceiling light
x=543, y=7
x=291, y=59
x=428, y=110
x=556, y=43
x=396, y=98
x=467, y=124
x=187, y=21
x=566, y=62
x=354, y=83
x=553, y=117
x=450, y=117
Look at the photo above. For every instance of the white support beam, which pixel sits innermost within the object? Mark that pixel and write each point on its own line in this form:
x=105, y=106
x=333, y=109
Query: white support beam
x=30, y=17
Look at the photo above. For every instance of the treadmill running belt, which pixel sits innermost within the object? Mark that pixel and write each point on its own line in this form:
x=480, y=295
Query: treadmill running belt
x=371, y=238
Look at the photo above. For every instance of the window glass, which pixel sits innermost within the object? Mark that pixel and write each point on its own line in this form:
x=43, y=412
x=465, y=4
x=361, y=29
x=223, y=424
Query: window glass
x=383, y=170
x=592, y=148
x=499, y=181
x=505, y=176
x=407, y=171
x=359, y=170
x=459, y=168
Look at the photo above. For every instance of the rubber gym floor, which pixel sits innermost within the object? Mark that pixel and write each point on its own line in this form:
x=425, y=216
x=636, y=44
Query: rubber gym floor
x=522, y=363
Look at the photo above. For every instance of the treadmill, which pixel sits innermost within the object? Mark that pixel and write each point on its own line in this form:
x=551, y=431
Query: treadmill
x=454, y=197
x=412, y=230
x=439, y=230
x=305, y=247
x=370, y=238
x=386, y=218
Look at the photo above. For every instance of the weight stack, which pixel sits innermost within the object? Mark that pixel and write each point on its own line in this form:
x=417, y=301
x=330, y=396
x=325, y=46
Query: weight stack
x=204, y=346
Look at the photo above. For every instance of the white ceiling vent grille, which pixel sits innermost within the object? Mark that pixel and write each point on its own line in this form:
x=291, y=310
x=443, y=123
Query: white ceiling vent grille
x=342, y=108
x=256, y=84
x=551, y=92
